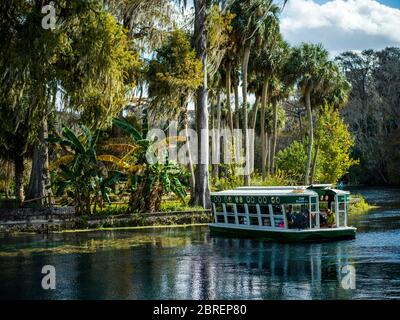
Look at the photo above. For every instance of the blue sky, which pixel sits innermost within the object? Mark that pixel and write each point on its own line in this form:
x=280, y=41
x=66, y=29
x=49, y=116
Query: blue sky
x=343, y=25
x=391, y=3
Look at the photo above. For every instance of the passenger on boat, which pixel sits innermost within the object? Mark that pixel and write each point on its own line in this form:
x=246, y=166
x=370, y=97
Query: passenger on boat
x=307, y=216
x=290, y=217
x=300, y=221
x=322, y=219
x=330, y=218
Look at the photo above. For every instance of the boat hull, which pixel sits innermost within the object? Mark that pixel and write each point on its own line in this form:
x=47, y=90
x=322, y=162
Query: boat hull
x=284, y=235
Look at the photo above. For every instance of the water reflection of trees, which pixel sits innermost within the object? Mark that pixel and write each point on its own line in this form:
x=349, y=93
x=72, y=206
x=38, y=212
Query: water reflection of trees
x=184, y=265
x=257, y=269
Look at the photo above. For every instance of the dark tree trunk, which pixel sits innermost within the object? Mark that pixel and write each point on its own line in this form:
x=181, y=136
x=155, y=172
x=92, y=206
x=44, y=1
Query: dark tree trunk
x=40, y=178
x=202, y=194
x=19, y=169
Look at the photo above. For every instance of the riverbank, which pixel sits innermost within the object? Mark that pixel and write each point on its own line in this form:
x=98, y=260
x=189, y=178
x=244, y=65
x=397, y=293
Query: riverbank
x=48, y=220
x=358, y=205
x=57, y=219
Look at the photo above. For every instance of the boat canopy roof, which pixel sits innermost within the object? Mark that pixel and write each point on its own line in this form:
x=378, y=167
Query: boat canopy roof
x=265, y=196
x=265, y=192
x=321, y=189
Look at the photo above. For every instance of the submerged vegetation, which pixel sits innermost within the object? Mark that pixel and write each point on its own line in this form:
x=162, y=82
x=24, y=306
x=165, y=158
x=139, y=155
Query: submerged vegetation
x=79, y=104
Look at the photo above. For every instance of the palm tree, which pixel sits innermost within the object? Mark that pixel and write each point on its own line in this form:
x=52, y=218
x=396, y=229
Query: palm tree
x=202, y=188
x=269, y=63
x=250, y=25
x=310, y=65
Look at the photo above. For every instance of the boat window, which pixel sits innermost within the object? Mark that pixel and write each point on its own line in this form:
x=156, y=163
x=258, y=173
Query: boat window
x=341, y=205
x=323, y=205
x=240, y=208
x=279, y=223
x=242, y=220
x=218, y=207
x=254, y=221
x=220, y=218
x=231, y=219
x=277, y=209
x=264, y=210
x=266, y=221
x=229, y=208
x=252, y=209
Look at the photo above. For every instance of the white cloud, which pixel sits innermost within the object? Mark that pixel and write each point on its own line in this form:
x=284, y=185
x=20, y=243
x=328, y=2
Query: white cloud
x=342, y=25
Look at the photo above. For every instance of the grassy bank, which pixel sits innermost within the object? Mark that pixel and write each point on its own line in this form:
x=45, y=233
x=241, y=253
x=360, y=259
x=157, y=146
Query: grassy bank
x=358, y=205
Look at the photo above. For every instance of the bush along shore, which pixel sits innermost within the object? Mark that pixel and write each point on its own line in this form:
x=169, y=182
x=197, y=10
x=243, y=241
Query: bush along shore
x=358, y=205
x=59, y=219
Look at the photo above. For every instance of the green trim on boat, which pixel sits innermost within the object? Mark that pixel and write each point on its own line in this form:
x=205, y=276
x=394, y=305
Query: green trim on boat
x=286, y=235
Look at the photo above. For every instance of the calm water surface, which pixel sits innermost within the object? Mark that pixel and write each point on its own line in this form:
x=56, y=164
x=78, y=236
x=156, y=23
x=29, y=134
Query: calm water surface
x=186, y=263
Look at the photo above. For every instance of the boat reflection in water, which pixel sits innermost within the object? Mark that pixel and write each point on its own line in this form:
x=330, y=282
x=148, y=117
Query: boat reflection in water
x=265, y=270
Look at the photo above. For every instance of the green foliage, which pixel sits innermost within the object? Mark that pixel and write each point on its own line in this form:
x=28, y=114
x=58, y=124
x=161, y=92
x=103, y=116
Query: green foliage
x=373, y=114
x=292, y=160
x=173, y=75
x=358, y=205
x=233, y=181
x=335, y=142
x=80, y=178
x=97, y=67
x=219, y=40
x=333, y=158
x=171, y=206
x=149, y=181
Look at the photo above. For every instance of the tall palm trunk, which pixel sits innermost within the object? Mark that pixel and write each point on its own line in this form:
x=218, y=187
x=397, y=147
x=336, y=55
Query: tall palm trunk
x=202, y=194
x=275, y=135
x=245, y=65
x=237, y=123
x=228, y=106
x=262, y=127
x=237, y=114
x=217, y=137
x=310, y=134
x=255, y=111
x=268, y=153
x=314, y=163
x=185, y=123
x=228, y=94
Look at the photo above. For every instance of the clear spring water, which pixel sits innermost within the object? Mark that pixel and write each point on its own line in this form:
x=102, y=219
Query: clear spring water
x=186, y=263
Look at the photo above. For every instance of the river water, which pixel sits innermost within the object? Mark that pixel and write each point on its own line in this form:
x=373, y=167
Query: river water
x=187, y=263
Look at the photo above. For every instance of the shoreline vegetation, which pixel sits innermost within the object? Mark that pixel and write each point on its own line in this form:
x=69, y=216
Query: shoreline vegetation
x=117, y=217
x=358, y=205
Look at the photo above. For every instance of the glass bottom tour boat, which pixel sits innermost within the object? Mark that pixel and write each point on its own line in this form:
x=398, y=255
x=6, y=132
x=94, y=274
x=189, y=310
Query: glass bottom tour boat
x=287, y=214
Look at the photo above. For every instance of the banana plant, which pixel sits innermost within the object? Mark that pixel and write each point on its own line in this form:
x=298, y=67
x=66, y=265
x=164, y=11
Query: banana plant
x=147, y=183
x=81, y=179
